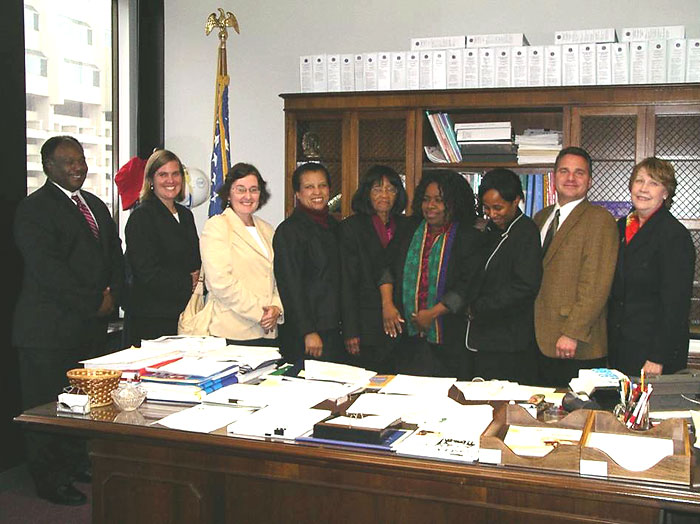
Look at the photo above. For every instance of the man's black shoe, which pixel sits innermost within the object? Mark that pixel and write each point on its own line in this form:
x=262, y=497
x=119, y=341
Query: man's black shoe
x=66, y=495
x=84, y=476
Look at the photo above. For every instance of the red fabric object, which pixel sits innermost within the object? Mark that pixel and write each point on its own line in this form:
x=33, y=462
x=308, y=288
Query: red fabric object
x=320, y=217
x=129, y=180
x=385, y=232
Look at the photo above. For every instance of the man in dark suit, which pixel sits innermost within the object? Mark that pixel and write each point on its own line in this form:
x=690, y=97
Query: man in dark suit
x=73, y=279
x=579, y=242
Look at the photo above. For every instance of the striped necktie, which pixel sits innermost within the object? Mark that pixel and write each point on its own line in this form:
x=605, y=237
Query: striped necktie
x=88, y=216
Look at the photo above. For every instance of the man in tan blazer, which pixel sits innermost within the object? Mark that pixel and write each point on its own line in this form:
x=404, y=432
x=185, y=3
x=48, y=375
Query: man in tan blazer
x=579, y=242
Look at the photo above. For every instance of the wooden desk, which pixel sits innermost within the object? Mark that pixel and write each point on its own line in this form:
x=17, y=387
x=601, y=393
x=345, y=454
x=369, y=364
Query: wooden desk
x=151, y=474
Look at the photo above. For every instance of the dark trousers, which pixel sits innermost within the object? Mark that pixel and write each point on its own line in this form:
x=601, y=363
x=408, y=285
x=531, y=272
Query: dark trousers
x=150, y=328
x=416, y=356
x=518, y=366
x=557, y=372
x=51, y=459
x=255, y=342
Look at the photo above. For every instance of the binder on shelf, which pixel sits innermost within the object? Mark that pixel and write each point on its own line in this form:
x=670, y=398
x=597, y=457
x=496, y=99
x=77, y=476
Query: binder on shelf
x=455, y=76
x=483, y=125
x=359, y=72
x=538, y=197
x=603, y=63
x=638, y=34
x=320, y=74
x=485, y=133
x=657, y=61
x=306, y=81
x=552, y=65
x=470, y=69
x=426, y=70
x=438, y=42
x=620, y=63
x=692, y=64
x=439, y=69
x=587, y=64
x=518, y=66
x=503, y=66
x=497, y=40
x=347, y=73
x=585, y=36
x=398, y=70
x=487, y=67
x=677, y=50
x=370, y=71
x=639, y=62
x=535, y=66
x=333, y=64
x=412, y=70
x=570, y=65
x=383, y=71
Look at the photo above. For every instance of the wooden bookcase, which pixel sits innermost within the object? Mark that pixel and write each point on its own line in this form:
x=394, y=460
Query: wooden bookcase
x=618, y=125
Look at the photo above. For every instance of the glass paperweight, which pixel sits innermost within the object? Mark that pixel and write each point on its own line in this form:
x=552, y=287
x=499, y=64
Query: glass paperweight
x=128, y=396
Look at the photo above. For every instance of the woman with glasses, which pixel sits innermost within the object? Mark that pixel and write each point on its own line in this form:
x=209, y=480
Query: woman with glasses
x=162, y=249
x=365, y=238
x=237, y=260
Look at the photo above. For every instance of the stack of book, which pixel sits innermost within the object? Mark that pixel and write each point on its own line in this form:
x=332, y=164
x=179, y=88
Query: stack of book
x=538, y=146
x=539, y=192
x=486, y=142
x=448, y=149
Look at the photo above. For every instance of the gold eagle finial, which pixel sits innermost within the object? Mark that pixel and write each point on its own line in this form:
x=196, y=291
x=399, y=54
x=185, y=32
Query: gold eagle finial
x=224, y=20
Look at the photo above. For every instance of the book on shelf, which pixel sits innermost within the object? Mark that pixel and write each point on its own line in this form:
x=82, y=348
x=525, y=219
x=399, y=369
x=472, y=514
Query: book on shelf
x=485, y=134
x=492, y=158
x=492, y=147
x=481, y=125
x=442, y=128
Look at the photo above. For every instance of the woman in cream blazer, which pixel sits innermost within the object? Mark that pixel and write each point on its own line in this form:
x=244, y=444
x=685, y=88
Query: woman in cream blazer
x=237, y=259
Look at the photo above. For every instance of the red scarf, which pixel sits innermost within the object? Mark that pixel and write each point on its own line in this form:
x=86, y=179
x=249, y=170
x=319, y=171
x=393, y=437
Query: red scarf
x=320, y=217
x=385, y=232
x=633, y=224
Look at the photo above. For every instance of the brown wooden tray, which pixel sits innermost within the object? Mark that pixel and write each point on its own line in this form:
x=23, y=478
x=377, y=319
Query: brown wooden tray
x=673, y=468
x=564, y=457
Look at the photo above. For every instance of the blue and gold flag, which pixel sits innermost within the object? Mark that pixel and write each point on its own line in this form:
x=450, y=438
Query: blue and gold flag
x=221, y=156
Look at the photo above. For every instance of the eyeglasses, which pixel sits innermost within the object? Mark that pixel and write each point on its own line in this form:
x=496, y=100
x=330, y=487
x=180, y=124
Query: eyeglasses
x=384, y=189
x=240, y=190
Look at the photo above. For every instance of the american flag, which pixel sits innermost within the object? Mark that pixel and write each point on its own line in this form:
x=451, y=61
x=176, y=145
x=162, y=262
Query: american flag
x=221, y=156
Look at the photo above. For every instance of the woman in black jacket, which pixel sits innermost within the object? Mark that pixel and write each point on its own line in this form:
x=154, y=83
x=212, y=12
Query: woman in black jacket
x=431, y=278
x=162, y=249
x=365, y=238
x=650, y=299
x=500, y=330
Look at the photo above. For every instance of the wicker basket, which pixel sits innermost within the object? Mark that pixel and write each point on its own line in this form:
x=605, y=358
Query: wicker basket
x=97, y=384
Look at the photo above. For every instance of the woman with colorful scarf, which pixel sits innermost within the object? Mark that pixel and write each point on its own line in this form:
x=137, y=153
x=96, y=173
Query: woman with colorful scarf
x=431, y=278
x=365, y=239
x=650, y=298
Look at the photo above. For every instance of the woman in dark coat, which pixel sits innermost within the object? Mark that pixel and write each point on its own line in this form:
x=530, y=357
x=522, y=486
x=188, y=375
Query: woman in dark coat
x=431, y=278
x=501, y=331
x=307, y=270
x=365, y=238
x=650, y=300
x=162, y=249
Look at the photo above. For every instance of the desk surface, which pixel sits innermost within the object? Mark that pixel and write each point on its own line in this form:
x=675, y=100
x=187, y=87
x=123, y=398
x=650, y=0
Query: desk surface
x=199, y=477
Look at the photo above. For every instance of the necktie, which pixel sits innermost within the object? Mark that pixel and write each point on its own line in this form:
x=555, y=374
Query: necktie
x=553, y=226
x=88, y=216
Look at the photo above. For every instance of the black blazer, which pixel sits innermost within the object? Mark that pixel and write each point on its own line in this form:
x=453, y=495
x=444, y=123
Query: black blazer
x=65, y=269
x=162, y=253
x=461, y=285
x=363, y=260
x=650, y=299
x=307, y=270
x=509, y=279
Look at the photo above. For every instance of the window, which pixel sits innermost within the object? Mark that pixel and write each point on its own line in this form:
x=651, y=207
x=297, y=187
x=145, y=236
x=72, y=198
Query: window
x=69, y=87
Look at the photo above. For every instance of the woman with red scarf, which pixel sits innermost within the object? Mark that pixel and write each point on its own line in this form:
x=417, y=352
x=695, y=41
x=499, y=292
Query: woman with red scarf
x=650, y=299
x=431, y=278
x=365, y=238
x=307, y=270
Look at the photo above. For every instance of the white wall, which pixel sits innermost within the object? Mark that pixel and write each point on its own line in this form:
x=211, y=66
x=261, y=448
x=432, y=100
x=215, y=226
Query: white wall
x=263, y=60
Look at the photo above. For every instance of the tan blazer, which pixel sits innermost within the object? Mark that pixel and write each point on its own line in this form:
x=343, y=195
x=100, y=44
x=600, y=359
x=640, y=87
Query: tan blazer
x=578, y=273
x=239, y=276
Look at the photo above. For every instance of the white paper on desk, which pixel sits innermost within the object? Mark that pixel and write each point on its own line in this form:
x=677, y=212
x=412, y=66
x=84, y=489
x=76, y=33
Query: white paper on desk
x=250, y=356
x=630, y=451
x=320, y=370
x=281, y=422
x=204, y=419
x=532, y=441
x=132, y=358
x=186, y=343
x=413, y=409
x=198, y=367
x=412, y=385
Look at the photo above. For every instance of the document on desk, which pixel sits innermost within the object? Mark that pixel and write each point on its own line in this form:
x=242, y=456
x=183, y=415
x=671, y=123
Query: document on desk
x=413, y=409
x=278, y=422
x=505, y=390
x=412, y=385
x=630, y=451
x=195, y=367
x=204, y=419
x=536, y=441
x=330, y=371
